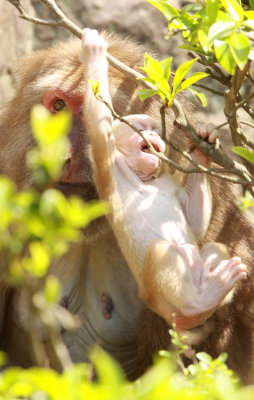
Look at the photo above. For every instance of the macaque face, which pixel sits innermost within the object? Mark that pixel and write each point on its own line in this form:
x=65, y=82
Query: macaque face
x=133, y=147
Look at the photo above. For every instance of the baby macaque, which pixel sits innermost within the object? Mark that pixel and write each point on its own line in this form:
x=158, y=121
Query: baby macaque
x=156, y=222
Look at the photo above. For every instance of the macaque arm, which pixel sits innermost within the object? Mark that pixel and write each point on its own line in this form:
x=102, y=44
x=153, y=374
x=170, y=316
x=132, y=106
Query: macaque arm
x=196, y=199
x=197, y=203
x=97, y=116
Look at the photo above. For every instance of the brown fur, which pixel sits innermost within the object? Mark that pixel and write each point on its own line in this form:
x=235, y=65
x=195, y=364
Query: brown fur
x=234, y=321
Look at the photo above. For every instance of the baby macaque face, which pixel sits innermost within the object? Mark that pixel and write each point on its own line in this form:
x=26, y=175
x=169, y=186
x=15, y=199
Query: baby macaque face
x=134, y=149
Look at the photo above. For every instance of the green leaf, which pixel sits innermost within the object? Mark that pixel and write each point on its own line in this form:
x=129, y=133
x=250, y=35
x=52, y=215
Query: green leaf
x=48, y=127
x=169, y=11
x=95, y=86
x=152, y=67
x=188, y=20
x=249, y=23
x=38, y=264
x=197, y=49
x=52, y=289
x=251, y=4
x=221, y=29
x=240, y=47
x=212, y=10
x=224, y=56
x=192, y=79
x=146, y=93
x=244, y=153
x=222, y=357
x=199, y=96
x=203, y=39
x=108, y=370
x=246, y=201
x=249, y=14
x=166, y=67
x=204, y=357
x=192, y=8
x=234, y=9
x=181, y=72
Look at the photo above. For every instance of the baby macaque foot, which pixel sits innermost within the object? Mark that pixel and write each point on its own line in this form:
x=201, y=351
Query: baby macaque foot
x=209, y=134
x=217, y=283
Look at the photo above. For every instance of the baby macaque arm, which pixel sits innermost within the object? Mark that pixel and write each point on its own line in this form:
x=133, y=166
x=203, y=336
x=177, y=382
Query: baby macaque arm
x=197, y=204
x=196, y=199
x=97, y=116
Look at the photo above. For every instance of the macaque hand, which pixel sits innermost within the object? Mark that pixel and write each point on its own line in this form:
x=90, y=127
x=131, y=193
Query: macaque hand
x=94, y=47
x=209, y=134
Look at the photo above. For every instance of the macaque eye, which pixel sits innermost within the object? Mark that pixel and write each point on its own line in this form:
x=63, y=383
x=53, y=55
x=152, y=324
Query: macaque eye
x=58, y=104
x=156, y=129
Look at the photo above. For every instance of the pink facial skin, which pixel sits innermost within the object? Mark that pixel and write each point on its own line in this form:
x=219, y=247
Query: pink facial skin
x=72, y=102
x=133, y=147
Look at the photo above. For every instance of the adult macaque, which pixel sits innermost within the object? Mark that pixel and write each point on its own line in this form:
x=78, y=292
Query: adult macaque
x=97, y=283
x=150, y=216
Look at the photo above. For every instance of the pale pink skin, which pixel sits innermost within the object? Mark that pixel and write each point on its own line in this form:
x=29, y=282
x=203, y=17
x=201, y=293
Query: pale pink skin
x=132, y=146
x=202, y=288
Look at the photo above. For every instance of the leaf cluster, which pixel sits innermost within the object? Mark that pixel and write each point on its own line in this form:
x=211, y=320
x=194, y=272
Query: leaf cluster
x=37, y=226
x=205, y=379
x=216, y=29
x=159, y=76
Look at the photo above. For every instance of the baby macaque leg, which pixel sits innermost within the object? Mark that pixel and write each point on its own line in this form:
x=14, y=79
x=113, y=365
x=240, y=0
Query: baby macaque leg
x=168, y=283
x=214, y=253
x=182, y=286
x=221, y=272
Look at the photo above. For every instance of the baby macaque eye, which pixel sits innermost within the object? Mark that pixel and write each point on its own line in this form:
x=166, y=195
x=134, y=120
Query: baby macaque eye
x=156, y=129
x=58, y=105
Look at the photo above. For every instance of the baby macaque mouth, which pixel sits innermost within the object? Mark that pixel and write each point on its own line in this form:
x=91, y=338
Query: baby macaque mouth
x=145, y=148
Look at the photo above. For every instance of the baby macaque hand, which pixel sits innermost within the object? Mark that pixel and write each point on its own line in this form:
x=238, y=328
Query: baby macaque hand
x=209, y=134
x=94, y=47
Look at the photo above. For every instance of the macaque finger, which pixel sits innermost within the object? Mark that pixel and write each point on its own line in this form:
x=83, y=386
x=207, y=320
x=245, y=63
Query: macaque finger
x=208, y=268
x=92, y=44
x=214, y=134
x=201, y=130
x=207, y=132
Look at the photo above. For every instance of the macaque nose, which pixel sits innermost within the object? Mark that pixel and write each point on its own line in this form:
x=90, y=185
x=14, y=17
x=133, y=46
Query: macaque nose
x=150, y=133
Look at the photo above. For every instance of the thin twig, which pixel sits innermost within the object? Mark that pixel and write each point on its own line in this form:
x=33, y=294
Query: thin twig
x=199, y=85
x=163, y=121
x=64, y=22
x=244, y=101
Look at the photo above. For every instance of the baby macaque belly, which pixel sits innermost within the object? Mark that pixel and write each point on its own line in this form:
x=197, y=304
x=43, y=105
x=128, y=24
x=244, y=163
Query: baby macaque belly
x=154, y=212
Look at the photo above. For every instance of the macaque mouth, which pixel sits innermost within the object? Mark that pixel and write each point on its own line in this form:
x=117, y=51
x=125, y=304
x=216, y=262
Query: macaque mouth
x=156, y=146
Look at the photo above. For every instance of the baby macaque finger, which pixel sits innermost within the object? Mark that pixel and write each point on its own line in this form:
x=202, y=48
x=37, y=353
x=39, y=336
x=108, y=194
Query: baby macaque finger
x=92, y=42
x=207, y=132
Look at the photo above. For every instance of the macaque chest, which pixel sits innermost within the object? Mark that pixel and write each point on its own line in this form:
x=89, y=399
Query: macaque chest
x=152, y=211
